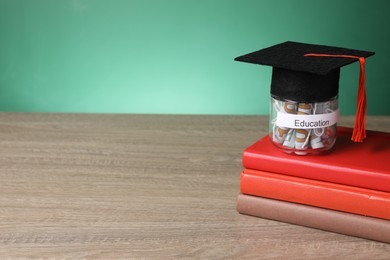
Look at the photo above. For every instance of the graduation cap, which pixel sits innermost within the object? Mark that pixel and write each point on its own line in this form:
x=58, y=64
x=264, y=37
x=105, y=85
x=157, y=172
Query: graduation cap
x=310, y=73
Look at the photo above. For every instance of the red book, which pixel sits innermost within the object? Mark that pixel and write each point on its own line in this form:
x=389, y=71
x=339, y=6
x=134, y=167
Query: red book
x=365, y=164
x=316, y=193
x=314, y=217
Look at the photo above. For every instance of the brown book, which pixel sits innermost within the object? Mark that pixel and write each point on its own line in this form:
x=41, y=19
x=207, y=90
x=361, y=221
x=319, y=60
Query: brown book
x=315, y=217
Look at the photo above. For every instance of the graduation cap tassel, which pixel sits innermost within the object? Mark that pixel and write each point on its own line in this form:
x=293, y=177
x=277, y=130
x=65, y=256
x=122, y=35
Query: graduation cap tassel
x=359, y=129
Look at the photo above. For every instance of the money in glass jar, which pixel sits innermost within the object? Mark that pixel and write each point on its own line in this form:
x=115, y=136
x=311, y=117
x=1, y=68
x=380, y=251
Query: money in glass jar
x=303, y=128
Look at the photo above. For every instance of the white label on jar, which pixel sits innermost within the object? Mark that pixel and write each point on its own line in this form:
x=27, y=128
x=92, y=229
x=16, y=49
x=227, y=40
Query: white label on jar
x=307, y=121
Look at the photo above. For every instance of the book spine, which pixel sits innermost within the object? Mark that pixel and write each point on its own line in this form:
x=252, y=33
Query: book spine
x=319, y=218
x=330, y=173
x=316, y=193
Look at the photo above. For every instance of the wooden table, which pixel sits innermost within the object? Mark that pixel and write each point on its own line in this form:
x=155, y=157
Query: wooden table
x=143, y=186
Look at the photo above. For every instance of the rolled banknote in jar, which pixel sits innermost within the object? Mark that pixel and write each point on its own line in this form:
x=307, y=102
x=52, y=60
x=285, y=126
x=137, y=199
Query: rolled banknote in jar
x=302, y=136
x=279, y=133
x=322, y=137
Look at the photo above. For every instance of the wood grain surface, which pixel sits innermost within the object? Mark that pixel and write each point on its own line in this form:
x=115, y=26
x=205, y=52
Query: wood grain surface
x=87, y=186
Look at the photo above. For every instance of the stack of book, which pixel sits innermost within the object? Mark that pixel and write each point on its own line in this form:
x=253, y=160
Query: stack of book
x=346, y=190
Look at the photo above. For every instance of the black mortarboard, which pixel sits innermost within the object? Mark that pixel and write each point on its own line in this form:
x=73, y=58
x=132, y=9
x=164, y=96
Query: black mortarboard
x=308, y=72
x=301, y=78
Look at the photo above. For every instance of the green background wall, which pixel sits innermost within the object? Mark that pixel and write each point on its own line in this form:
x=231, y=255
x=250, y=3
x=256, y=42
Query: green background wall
x=175, y=56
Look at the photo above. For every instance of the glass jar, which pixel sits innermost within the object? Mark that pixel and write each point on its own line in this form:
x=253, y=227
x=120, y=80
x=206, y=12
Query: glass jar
x=303, y=128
